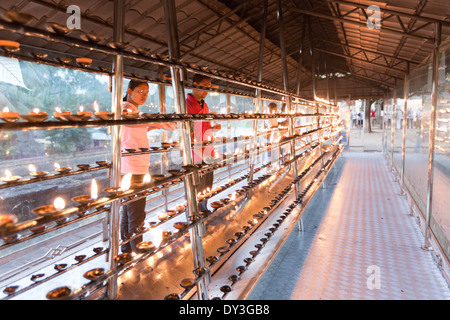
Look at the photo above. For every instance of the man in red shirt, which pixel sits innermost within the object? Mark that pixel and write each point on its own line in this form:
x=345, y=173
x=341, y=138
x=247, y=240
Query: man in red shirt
x=203, y=131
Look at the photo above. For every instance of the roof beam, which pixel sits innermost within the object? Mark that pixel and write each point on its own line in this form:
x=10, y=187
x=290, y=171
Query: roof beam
x=396, y=13
x=381, y=54
x=359, y=59
x=361, y=24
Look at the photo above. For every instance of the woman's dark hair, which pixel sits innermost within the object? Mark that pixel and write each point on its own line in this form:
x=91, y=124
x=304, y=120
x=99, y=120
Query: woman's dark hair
x=199, y=78
x=132, y=85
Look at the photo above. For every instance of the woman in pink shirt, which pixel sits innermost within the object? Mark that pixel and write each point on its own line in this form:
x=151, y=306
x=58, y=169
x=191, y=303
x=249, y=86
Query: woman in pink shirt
x=134, y=137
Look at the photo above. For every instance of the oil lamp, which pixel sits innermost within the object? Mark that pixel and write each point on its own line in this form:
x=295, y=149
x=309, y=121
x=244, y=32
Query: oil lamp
x=84, y=62
x=60, y=115
x=49, y=210
x=84, y=114
x=103, y=115
x=34, y=173
x=34, y=116
x=7, y=220
x=9, y=178
x=85, y=199
x=8, y=116
x=61, y=170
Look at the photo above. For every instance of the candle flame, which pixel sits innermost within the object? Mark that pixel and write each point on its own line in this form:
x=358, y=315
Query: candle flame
x=126, y=182
x=5, y=109
x=31, y=168
x=59, y=203
x=94, y=190
x=156, y=236
x=147, y=178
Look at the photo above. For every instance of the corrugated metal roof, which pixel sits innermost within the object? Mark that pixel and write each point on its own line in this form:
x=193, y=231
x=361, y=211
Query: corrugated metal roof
x=224, y=35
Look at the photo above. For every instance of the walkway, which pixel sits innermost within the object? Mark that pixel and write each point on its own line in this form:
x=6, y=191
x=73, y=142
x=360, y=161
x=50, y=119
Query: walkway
x=358, y=243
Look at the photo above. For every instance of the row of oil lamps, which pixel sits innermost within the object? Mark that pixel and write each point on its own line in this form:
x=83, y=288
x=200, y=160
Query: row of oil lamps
x=38, y=116
x=188, y=283
x=144, y=246
x=225, y=289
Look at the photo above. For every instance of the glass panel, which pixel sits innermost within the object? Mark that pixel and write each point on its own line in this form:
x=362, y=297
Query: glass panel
x=416, y=159
x=440, y=216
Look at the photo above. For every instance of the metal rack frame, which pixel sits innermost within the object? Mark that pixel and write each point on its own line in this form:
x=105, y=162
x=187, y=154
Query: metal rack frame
x=190, y=177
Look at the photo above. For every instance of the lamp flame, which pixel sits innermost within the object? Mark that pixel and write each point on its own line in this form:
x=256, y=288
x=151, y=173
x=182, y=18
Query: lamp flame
x=58, y=109
x=59, y=203
x=36, y=110
x=81, y=108
x=147, y=179
x=7, y=173
x=5, y=109
x=57, y=166
x=94, y=190
x=156, y=236
x=126, y=182
x=96, y=108
x=31, y=168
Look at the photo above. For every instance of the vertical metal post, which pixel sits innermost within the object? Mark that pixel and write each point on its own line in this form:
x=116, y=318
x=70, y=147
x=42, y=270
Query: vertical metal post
x=229, y=133
x=291, y=120
x=116, y=108
x=282, y=47
x=300, y=59
x=385, y=124
x=187, y=128
x=163, y=110
x=431, y=146
x=394, y=98
x=258, y=92
x=405, y=110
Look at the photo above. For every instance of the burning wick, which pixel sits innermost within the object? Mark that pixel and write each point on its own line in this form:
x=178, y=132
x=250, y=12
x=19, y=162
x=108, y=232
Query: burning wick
x=36, y=110
x=31, y=168
x=9, y=177
x=147, y=179
x=94, y=190
x=59, y=203
x=126, y=182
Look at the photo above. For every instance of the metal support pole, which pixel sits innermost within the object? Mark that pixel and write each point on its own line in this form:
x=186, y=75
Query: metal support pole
x=300, y=59
x=191, y=180
x=282, y=46
x=164, y=155
x=405, y=110
x=116, y=108
x=394, y=98
x=258, y=92
x=229, y=133
x=431, y=147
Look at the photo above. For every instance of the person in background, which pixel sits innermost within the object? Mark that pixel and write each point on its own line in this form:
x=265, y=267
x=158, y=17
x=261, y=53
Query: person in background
x=372, y=117
x=203, y=131
x=134, y=137
x=410, y=118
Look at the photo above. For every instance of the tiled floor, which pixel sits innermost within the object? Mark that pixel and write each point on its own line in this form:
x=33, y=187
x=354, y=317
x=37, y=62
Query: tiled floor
x=358, y=243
